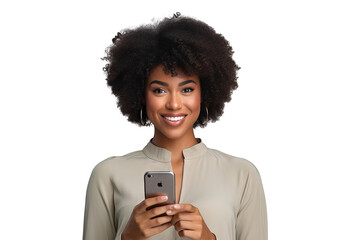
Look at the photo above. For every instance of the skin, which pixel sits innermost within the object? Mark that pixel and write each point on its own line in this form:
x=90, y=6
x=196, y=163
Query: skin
x=167, y=97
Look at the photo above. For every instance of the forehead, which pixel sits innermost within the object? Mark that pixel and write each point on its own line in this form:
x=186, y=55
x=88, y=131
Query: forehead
x=159, y=74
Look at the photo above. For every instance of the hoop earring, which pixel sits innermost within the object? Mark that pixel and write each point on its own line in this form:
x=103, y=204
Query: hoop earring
x=143, y=123
x=207, y=116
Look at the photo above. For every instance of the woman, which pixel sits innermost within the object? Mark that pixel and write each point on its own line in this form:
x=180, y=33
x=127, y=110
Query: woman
x=176, y=75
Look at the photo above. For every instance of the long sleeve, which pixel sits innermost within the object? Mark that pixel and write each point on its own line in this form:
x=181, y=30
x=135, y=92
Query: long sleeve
x=227, y=190
x=99, y=219
x=252, y=217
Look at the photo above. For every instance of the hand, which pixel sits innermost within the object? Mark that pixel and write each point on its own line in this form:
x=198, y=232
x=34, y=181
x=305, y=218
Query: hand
x=189, y=223
x=142, y=223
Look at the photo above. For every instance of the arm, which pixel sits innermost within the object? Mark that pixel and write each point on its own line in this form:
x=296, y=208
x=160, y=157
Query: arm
x=251, y=221
x=99, y=219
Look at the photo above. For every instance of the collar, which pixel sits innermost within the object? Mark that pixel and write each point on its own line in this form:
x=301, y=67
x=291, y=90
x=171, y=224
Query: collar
x=163, y=155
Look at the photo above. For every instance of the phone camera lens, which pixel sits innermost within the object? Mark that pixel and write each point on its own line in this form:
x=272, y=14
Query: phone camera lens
x=149, y=175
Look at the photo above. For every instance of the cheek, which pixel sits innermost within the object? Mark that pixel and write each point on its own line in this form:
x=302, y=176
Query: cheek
x=195, y=103
x=151, y=105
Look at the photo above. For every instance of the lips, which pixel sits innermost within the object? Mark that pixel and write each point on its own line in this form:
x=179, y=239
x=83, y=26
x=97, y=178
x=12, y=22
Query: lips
x=174, y=120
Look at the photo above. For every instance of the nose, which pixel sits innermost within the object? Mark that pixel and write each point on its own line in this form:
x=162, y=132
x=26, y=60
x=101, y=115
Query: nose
x=174, y=102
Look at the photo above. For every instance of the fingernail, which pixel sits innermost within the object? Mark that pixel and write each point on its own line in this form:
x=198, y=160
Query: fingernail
x=168, y=212
x=176, y=206
x=164, y=197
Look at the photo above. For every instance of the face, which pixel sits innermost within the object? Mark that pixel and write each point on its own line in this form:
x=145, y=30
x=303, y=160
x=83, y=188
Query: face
x=172, y=103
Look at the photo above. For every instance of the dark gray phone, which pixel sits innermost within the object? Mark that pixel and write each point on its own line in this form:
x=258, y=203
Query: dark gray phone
x=158, y=183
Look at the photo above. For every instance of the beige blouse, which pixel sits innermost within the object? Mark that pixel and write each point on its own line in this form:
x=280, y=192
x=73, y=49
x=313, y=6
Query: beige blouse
x=227, y=190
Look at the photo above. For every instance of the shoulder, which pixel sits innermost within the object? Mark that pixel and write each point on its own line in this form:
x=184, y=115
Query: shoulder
x=116, y=164
x=233, y=162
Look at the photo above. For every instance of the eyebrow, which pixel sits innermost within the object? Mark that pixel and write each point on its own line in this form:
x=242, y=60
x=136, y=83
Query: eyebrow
x=166, y=85
x=186, y=82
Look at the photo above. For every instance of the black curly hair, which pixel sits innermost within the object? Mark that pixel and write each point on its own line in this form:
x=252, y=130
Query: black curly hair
x=176, y=43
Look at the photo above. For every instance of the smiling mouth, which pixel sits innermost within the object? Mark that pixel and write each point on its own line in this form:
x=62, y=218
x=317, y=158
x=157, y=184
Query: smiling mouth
x=174, y=119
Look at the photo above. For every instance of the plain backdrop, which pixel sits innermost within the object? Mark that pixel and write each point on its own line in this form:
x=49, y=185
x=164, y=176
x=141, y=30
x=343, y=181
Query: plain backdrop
x=295, y=114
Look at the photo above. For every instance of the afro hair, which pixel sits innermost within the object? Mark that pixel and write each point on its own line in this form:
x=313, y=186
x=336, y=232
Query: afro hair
x=176, y=43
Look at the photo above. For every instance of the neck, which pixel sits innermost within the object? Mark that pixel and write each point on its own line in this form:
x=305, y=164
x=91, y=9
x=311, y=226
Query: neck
x=176, y=145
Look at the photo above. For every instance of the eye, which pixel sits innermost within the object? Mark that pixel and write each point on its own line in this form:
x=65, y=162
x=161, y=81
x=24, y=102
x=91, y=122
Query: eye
x=158, y=91
x=187, y=90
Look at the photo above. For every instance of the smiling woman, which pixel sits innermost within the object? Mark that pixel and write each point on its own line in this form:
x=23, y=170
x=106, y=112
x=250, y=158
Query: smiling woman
x=176, y=75
x=172, y=105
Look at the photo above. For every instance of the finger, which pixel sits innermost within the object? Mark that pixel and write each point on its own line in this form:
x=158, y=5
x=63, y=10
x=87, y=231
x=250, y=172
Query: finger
x=185, y=216
x=189, y=234
x=177, y=208
x=155, y=230
x=156, y=222
x=186, y=225
x=141, y=207
x=157, y=211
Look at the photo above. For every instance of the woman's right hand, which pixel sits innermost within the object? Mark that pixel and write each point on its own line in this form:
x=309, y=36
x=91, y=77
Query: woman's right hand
x=142, y=225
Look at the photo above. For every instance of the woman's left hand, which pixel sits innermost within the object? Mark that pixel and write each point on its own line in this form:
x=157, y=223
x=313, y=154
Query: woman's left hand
x=189, y=223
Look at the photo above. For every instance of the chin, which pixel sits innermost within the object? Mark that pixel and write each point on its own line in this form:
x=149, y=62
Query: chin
x=175, y=134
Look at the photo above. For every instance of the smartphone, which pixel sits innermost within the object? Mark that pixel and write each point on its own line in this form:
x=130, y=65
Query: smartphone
x=159, y=183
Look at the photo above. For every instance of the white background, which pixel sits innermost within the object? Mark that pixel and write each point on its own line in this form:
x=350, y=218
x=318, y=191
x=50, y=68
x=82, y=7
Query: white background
x=295, y=114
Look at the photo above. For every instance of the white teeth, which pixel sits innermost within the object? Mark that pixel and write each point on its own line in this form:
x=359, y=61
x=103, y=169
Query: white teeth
x=174, y=119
